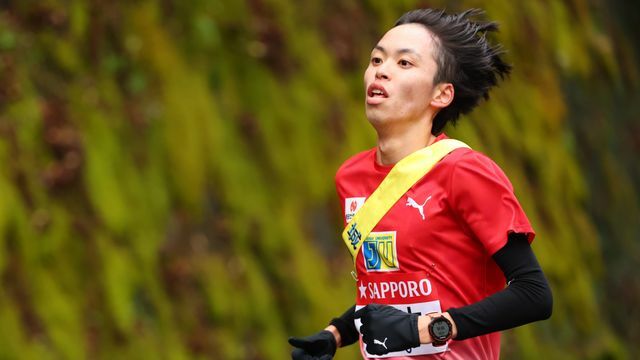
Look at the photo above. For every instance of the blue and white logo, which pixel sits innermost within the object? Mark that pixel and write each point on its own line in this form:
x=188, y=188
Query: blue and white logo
x=379, y=252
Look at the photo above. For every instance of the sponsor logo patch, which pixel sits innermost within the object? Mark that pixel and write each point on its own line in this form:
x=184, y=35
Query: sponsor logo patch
x=379, y=251
x=351, y=207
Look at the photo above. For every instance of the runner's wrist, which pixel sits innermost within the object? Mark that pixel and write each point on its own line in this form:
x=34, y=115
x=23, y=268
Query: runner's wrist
x=454, y=328
x=423, y=329
x=336, y=334
x=423, y=326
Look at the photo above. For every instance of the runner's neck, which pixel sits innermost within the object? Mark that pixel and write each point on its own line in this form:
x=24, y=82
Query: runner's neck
x=392, y=149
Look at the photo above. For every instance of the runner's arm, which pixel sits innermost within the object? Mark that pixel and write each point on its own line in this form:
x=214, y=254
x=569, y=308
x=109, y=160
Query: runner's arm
x=526, y=298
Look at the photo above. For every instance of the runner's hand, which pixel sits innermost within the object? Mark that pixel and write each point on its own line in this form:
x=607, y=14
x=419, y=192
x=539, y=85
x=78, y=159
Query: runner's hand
x=386, y=329
x=319, y=346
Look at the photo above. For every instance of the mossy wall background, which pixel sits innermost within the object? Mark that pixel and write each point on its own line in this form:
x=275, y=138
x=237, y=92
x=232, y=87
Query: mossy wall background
x=166, y=177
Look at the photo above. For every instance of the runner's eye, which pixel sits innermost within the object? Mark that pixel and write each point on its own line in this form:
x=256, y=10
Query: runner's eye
x=405, y=63
x=376, y=61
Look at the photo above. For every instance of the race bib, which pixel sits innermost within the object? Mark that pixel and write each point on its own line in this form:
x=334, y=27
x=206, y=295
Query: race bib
x=411, y=293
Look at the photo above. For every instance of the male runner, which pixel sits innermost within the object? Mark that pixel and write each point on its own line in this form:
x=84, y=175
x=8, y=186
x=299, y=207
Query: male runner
x=431, y=275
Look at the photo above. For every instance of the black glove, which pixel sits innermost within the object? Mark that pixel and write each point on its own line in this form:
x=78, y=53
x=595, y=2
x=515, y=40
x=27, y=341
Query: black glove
x=319, y=346
x=346, y=327
x=386, y=329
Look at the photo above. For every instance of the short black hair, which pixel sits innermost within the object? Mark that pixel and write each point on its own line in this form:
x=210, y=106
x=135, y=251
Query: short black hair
x=464, y=57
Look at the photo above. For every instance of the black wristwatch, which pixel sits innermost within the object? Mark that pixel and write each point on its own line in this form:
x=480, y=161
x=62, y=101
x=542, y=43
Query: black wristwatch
x=440, y=329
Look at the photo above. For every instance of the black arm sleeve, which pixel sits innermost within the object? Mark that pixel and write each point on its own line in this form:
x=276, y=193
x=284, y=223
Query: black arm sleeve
x=346, y=327
x=526, y=298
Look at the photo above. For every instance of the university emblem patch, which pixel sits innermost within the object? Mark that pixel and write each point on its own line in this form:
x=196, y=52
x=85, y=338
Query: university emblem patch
x=379, y=251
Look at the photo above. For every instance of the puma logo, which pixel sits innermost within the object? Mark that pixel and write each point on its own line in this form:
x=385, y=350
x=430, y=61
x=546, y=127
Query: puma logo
x=378, y=342
x=414, y=204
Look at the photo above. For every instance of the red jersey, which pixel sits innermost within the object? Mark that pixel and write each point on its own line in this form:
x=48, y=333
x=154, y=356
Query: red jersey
x=432, y=250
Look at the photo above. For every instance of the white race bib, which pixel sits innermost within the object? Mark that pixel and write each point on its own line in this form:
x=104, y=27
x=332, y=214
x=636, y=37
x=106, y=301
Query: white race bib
x=411, y=293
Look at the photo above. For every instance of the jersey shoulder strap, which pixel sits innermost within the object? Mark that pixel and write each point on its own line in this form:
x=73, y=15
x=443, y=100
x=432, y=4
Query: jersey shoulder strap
x=399, y=180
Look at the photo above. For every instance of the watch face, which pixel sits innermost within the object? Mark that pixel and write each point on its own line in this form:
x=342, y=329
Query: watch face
x=440, y=328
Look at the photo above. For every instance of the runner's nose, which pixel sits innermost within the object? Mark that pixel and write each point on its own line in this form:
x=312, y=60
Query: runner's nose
x=382, y=71
x=381, y=74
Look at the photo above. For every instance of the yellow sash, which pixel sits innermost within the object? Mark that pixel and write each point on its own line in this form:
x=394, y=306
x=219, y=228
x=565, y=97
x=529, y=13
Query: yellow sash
x=401, y=177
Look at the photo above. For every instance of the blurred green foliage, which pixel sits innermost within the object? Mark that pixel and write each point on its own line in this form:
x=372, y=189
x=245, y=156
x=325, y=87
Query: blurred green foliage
x=166, y=181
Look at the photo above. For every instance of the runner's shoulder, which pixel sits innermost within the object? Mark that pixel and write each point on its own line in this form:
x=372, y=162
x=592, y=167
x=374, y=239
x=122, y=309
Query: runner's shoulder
x=466, y=165
x=467, y=157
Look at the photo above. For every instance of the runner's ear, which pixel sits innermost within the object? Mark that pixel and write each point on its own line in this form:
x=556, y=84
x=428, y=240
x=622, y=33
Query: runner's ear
x=443, y=95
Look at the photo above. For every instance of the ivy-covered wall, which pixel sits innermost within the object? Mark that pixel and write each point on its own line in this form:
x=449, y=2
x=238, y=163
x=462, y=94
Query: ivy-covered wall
x=166, y=171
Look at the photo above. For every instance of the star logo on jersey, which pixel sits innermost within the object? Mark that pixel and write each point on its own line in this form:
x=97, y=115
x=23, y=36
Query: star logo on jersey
x=363, y=290
x=419, y=207
x=379, y=252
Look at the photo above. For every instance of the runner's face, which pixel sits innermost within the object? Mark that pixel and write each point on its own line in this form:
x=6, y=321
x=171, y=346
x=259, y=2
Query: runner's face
x=399, y=78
